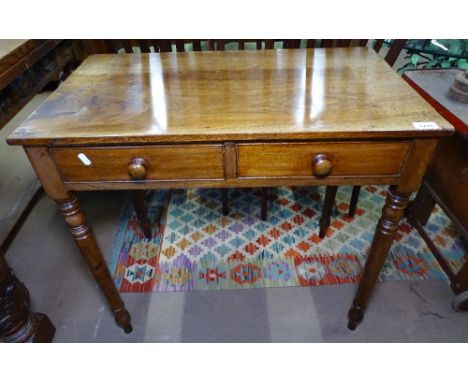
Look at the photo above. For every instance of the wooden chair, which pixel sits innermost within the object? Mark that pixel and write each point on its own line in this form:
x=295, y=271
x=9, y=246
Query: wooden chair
x=144, y=46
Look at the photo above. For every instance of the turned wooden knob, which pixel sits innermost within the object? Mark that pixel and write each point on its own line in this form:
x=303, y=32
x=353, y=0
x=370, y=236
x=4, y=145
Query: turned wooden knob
x=137, y=169
x=322, y=165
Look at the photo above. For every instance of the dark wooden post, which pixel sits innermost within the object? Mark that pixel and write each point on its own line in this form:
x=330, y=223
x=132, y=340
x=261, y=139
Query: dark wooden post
x=17, y=323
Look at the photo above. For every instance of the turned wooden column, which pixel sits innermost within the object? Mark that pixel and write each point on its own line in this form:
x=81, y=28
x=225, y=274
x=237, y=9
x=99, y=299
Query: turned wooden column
x=84, y=237
x=17, y=323
x=141, y=210
x=387, y=226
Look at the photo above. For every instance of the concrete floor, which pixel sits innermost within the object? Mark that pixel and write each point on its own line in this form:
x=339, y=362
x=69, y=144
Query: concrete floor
x=46, y=259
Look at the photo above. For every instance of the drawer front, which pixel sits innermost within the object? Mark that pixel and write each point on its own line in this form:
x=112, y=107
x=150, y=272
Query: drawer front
x=159, y=163
x=302, y=159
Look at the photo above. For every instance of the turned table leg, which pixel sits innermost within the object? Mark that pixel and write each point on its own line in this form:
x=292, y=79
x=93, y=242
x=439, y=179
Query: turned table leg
x=84, y=237
x=324, y=222
x=17, y=323
x=387, y=226
x=139, y=203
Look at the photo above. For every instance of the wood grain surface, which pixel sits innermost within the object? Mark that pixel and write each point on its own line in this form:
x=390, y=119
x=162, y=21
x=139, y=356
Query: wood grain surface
x=296, y=159
x=162, y=163
x=230, y=95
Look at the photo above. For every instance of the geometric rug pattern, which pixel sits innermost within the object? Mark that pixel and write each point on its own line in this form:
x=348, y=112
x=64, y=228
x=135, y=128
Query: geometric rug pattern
x=195, y=247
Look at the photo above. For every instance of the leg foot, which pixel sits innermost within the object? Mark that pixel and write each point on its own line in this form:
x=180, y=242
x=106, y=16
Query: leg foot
x=355, y=316
x=387, y=226
x=460, y=302
x=139, y=203
x=86, y=241
x=324, y=222
x=354, y=200
x=264, y=207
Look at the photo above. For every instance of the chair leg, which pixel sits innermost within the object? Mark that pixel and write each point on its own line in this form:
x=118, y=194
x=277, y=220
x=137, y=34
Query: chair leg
x=224, y=196
x=139, y=203
x=354, y=200
x=263, y=212
x=423, y=205
x=324, y=223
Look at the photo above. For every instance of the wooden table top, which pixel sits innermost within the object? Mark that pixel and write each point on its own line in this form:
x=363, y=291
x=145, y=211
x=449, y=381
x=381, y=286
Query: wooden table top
x=230, y=95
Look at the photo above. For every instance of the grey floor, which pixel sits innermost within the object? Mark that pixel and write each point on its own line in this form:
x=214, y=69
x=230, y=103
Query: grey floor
x=46, y=259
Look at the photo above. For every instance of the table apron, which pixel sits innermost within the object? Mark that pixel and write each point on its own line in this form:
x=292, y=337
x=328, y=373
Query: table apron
x=231, y=165
x=234, y=183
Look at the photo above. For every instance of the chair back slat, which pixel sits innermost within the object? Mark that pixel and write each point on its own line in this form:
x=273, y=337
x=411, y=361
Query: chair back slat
x=394, y=51
x=95, y=46
x=269, y=44
x=292, y=44
x=113, y=46
x=154, y=44
x=180, y=45
x=116, y=46
x=342, y=43
x=220, y=44
x=196, y=44
x=378, y=44
x=127, y=45
x=325, y=43
x=144, y=46
x=165, y=45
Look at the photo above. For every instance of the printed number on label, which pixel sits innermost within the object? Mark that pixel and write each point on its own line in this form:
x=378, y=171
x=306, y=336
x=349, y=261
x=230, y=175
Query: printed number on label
x=425, y=125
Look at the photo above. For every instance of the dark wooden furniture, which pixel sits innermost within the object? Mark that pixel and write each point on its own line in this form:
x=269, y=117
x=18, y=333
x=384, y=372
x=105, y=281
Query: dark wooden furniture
x=231, y=119
x=446, y=180
x=26, y=67
x=17, y=323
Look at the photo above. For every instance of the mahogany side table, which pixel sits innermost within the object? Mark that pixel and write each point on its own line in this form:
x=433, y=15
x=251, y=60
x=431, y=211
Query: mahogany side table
x=222, y=119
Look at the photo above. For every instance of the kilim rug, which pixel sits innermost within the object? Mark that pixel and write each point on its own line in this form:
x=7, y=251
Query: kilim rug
x=195, y=247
